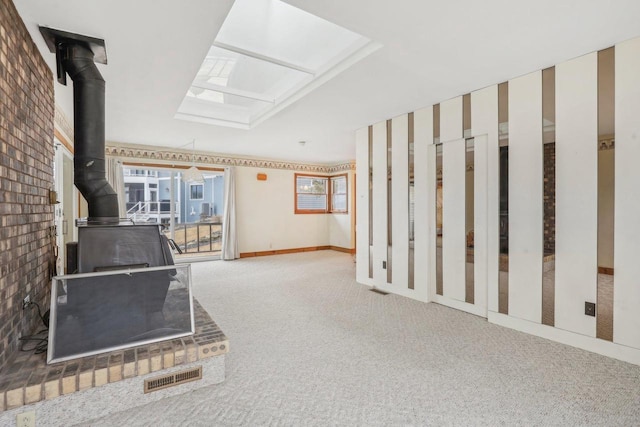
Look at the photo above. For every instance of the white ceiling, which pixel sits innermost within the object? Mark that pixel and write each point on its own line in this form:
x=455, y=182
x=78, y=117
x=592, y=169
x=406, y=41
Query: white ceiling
x=432, y=51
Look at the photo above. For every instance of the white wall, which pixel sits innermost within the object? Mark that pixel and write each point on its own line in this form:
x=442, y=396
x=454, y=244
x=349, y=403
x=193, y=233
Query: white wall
x=484, y=121
x=362, y=205
x=424, y=193
x=266, y=218
x=576, y=193
x=626, y=295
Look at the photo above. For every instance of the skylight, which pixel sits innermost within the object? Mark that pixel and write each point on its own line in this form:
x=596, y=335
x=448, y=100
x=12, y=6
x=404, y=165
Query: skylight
x=267, y=55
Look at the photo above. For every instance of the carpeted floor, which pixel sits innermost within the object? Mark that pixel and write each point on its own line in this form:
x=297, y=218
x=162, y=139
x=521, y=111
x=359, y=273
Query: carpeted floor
x=310, y=346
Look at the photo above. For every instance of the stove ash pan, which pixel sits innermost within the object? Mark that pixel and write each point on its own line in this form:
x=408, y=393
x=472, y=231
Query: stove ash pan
x=103, y=305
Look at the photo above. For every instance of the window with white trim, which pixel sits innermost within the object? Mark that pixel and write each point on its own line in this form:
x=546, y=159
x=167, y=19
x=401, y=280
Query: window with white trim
x=196, y=191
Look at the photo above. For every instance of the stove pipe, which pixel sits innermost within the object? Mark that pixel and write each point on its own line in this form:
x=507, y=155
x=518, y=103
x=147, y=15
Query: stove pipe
x=89, y=117
x=75, y=55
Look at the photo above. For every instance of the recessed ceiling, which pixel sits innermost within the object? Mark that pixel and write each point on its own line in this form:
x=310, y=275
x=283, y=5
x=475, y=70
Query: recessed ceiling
x=257, y=65
x=432, y=51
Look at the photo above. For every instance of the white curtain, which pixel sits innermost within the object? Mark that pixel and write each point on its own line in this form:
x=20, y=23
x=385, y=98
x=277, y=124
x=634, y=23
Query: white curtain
x=229, y=237
x=115, y=177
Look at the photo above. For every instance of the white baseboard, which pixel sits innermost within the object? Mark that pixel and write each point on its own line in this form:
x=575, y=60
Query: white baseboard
x=414, y=294
x=460, y=305
x=595, y=345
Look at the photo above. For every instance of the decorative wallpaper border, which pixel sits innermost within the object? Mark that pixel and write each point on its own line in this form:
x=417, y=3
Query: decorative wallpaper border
x=186, y=157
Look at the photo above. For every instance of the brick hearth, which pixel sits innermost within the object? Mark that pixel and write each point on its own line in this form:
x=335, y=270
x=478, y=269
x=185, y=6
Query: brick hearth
x=27, y=379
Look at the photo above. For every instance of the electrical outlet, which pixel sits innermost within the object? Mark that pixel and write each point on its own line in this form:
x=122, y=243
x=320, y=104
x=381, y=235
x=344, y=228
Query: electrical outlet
x=26, y=301
x=384, y=264
x=26, y=419
x=590, y=308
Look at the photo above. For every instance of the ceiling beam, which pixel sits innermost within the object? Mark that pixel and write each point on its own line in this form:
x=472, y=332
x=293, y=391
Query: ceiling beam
x=264, y=58
x=232, y=91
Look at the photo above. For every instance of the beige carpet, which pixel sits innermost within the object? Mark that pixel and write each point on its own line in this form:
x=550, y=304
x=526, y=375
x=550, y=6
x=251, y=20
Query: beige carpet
x=310, y=346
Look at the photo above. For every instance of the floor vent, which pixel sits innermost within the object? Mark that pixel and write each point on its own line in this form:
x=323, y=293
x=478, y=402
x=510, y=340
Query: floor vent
x=378, y=291
x=170, y=380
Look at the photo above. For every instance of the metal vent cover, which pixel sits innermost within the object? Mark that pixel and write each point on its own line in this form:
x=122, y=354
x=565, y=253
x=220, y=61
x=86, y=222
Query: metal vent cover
x=173, y=379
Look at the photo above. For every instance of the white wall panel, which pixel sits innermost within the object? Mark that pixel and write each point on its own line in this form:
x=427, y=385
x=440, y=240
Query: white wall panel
x=379, y=202
x=626, y=295
x=400, y=200
x=453, y=214
x=362, y=205
x=424, y=201
x=484, y=121
x=451, y=119
x=576, y=193
x=525, y=197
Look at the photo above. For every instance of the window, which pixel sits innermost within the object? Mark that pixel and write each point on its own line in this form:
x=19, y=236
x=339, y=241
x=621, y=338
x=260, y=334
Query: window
x=320, y=194
x=339, y=194
x=196, y=191
x=311, y=194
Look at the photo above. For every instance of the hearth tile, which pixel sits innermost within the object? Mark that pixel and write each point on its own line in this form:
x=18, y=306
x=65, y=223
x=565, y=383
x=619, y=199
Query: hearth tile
x=100, y=377
x=69, y=384
x=191, y=349
x=143, y=367
x=180, y=353
x=155, y=358
x=15, y=398
x=129, y=366
x=52, y=389
x=168, y=356
x=85, y=380
x=33, y=394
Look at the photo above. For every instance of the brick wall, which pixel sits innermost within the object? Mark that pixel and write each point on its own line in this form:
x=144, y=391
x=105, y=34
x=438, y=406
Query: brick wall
x=26, y=176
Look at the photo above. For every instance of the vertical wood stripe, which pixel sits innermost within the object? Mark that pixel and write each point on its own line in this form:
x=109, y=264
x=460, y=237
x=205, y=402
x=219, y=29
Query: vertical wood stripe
x=389, y=150
x=503, y=214
x=548, y=197
x=410, y=180
x=606, y=195
x=370, y=189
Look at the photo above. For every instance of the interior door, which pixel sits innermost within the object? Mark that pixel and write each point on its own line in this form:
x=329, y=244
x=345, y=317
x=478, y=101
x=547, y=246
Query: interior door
x=462, y=229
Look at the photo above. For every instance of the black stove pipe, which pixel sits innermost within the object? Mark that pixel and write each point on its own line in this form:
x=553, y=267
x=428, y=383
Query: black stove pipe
x=89, y=124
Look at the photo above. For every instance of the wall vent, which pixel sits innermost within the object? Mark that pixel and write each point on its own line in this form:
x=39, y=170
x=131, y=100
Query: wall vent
x=170, y=380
